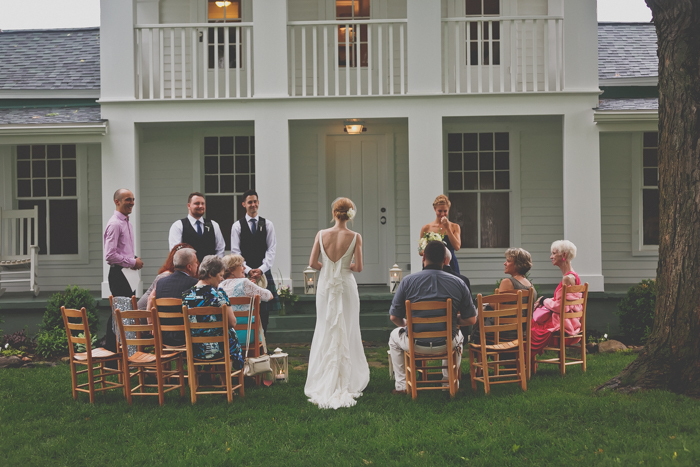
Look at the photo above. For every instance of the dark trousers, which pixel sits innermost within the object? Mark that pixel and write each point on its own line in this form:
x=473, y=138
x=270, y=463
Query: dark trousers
x=118, y=287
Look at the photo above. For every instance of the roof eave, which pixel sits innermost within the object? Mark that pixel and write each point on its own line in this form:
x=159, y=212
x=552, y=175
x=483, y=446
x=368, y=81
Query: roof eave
x=50, y=94
x=55, y=129
x=625, y=116
x=643, y=81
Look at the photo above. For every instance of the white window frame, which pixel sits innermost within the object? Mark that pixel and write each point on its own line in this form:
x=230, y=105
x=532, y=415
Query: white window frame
x=514, y=170
x=82, y=257
x=246, y=17
x=638, y=247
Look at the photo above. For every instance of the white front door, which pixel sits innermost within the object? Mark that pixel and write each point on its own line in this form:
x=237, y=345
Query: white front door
x=360, y=168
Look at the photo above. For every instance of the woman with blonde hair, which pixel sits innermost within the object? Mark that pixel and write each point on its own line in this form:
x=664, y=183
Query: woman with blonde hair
x=338, y=370
x=450, y=232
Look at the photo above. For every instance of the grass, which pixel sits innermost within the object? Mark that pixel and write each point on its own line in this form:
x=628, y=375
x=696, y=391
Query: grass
x=558, y=421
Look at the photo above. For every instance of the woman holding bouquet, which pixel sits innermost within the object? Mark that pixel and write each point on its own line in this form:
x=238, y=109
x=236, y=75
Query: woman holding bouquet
x=450, y=232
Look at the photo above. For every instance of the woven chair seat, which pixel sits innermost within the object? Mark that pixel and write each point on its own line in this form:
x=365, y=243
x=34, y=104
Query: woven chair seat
x=96, y=353
x=499, y=346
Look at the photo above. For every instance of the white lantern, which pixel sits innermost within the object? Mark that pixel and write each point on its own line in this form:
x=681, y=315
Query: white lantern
x=310, y=278
x=395, y=276
x=279, y=362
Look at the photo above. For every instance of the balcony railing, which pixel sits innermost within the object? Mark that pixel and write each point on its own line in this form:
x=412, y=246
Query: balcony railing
x=354, y=58
x=502, y=54
x=194, y=61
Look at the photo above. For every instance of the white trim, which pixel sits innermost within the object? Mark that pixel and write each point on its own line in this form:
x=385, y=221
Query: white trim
x=33, y=129
x=637, y=230
x=625, y=116
x=50, y=94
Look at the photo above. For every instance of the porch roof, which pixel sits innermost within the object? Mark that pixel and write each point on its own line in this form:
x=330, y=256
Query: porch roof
x=643, y=103
x=50, y=115
x=627, y=50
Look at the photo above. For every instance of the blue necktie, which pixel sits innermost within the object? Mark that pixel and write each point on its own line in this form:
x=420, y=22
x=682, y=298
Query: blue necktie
x=199, y=228
x=254, y=226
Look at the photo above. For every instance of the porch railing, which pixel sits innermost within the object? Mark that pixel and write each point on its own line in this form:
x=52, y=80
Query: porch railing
x=194, y=61
x=502, y=54
x=353, y=58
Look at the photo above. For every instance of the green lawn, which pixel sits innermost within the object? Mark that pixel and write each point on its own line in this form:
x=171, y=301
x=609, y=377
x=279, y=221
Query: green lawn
x=558, y=421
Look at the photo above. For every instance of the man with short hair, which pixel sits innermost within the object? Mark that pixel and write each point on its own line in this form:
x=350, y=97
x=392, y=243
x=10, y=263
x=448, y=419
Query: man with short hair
x=183, y=278
x=203, y=234
x=430, y=284
x=253, y=237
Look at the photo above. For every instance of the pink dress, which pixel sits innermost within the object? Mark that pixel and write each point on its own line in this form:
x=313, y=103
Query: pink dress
x=545, y=324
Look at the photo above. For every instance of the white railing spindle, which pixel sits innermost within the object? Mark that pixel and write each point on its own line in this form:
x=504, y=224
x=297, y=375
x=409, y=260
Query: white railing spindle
x=315, y=60
x=249, y=64
x=183, y=63
x=545, y=55
x=391, y=59
x=293, y=61
x=401, y=59
x=358, y=60
x=534, y=54
x=325, y=60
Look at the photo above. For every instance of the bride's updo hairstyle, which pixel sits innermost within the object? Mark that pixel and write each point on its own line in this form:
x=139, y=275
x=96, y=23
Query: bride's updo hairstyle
x=442, y=199
x=341, y=206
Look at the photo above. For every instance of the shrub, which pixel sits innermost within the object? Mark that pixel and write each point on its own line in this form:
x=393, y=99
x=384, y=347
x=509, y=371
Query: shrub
x=636, y=312
x=53, y=343
x=73, y=297
x=20, y=341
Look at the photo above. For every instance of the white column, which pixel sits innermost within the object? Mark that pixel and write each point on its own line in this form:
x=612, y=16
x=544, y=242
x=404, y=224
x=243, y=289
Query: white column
x=120, y=169
x=117, y=72
x=424, y=46
x=270, y=48
x=580, y=45
x=425, y=175
x=582, y=222
x=273, y=185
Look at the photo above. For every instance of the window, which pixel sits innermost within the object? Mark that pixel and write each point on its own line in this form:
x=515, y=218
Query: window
x=356, y=34
x=478, y=182
x=229, y=171
x=47, y=177
x=223, y=11
x=483, y=34
x=650, y=189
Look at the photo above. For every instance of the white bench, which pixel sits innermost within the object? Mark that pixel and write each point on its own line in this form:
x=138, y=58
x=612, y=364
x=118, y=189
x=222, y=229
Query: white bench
x=19, y=247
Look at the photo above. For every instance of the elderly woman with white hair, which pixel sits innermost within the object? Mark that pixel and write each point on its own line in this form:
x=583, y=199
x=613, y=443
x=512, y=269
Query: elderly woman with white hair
x=545, y=318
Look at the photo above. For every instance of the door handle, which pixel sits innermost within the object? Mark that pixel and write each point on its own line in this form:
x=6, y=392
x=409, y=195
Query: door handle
x=382, y=220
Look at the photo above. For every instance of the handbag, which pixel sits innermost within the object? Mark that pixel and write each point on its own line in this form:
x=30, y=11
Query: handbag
x=254, y=366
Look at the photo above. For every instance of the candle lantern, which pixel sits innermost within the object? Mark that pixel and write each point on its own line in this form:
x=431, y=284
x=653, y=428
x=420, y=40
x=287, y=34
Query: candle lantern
x=310, y=278
x=395, y=276
x=279, y=362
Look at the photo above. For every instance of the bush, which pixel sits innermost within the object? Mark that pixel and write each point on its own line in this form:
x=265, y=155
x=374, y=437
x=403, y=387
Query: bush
x=53, y=343
x=636, y=312
x=73, y=297
x=20, y=341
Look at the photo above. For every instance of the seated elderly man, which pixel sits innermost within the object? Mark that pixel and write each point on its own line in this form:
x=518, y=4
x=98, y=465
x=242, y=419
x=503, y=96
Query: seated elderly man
x=430, y=284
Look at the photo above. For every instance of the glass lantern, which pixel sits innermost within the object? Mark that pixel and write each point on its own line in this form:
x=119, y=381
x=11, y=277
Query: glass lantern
x=395, y=276
x=279, y=362
x=310, y=278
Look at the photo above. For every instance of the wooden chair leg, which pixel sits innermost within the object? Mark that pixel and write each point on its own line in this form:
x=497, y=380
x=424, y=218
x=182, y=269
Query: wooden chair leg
x=74, y=380
x=472, y=369
x=181, y=376
x=103, y=378
x=91, y=383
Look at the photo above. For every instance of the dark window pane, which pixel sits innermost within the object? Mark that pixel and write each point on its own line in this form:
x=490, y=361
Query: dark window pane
x=474, y=51
x=23, y=169
x=211, y=165
x=502, y=141
x=474, y=29
x=454, y=142
x=53, y=168
x=242, y=183
x=464, y=212
x=485, y=141
x=54, y=187
x=39, y=152
x=29, y=204
x=473, y=7
x=53, y=151
x=491, y=7
x=69, y=168
x=471, y=180
x=471, y=161
x=454, y=181
x=471, y=142
x=211, y=183
x=454, y=161
x=485, y=54
x=63, y=226
x=226, y=184
x=651, y=157
x=226, y=145
x=242, y=145
x=650, y=202
x=211, y=145
x=39, y=188
x=485, y=31
x=22, y=152
x=495, y=220
x=362, y=9
x=242, y=164
x=496, y=28
x=486, y=181
x=221, y=208
x=252, y=164
x=502, y=180
x=252, y=182
x=651, y=177
x=502, y=161
x=24, y=188
x=485, y=161
x=226, y=165
x=651, y=139
x=252, y=144
x=496, y=53
x=38, y=169
x=69, y=187
x=68, y=151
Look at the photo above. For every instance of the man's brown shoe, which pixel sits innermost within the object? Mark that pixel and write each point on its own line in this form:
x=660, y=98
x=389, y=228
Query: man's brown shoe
x=396, y=391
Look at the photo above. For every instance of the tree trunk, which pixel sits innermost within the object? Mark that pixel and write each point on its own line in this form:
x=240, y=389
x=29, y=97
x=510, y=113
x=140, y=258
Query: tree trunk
x=671, y=358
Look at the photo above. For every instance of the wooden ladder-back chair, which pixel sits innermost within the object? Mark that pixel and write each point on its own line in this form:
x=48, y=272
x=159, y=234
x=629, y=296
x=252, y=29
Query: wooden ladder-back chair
x=92, y=359
x=508, y=316
x=416, y=361
x=565, y=340
x=528, y=305
x=19, y=247
x=241, y=325
x=163, y=307
x=195, y=366
x=145, y=363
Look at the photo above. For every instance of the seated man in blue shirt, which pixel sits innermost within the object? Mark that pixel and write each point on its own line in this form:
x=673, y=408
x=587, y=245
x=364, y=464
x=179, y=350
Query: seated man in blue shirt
x=430, y=284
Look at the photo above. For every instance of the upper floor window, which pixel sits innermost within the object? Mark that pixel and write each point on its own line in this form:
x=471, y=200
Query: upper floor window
x=483, y=35
x=650, y=189
x=223, y=11
x=478, y=182
x=354, y=34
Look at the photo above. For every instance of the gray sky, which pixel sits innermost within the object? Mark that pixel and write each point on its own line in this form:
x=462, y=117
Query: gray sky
x=46, y=14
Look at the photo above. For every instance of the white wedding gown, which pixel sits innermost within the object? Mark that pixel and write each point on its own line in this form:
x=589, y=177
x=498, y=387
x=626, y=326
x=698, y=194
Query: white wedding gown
x=338, y=370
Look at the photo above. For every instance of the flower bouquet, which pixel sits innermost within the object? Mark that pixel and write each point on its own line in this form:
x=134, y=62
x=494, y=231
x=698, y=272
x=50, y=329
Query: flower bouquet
x=286, y=296
x=429, y=237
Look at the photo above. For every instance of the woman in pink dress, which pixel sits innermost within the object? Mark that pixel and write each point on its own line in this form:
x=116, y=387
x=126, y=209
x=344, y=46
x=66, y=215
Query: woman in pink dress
x=545, y=318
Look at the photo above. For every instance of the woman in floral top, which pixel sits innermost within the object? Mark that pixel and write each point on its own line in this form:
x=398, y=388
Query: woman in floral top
x=206, y=293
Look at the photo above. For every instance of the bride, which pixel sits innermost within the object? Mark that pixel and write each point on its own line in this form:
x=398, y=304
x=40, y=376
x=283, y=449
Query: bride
x=338, y=370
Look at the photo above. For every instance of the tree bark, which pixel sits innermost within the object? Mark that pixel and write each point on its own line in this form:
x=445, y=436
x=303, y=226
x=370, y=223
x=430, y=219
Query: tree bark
x=671, y=358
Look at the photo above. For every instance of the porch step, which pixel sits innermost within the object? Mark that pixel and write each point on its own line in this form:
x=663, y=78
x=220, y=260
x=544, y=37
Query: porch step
x=300, y=328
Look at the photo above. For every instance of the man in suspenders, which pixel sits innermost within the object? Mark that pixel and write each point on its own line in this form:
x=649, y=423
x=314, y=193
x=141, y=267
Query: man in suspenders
x=203, y=234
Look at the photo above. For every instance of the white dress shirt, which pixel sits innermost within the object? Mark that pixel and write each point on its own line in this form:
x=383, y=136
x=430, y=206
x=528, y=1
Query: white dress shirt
x=175, y=235
x=269, y=259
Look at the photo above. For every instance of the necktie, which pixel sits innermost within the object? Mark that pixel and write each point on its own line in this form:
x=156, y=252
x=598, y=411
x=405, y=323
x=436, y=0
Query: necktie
x=253, y=222
x=199, y=228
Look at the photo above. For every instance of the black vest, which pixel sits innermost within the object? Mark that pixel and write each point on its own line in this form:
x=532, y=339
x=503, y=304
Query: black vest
x=173, y=286
x=204, y=245
x=253, y=247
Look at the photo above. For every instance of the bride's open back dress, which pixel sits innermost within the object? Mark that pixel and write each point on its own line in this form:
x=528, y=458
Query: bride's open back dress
x=338, y=370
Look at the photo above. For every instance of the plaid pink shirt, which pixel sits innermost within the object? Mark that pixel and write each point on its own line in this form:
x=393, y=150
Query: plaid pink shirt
x=119, y=241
